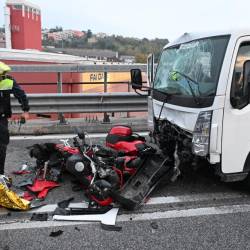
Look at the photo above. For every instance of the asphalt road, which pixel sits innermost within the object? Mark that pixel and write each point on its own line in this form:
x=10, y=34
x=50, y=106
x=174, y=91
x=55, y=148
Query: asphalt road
x=195, y=212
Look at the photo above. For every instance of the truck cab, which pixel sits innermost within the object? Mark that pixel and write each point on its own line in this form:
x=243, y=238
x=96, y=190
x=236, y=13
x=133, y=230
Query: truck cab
x=198, y=100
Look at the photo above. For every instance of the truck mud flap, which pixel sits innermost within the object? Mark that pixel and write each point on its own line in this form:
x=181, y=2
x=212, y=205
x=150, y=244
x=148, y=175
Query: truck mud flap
x=154, y=169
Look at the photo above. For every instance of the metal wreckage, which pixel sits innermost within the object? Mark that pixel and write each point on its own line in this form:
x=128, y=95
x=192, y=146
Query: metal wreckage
x=120, y=174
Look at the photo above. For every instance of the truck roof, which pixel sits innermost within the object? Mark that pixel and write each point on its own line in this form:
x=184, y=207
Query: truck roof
x=187, y=37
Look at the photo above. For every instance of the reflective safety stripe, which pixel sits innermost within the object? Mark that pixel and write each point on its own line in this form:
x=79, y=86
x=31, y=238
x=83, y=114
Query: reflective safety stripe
x=6, y=84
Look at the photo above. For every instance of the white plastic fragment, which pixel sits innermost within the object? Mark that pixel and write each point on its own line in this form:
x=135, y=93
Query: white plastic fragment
x=109, y=218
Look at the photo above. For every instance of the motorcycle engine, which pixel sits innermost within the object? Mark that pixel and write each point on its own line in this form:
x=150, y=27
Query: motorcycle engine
x=78, y=165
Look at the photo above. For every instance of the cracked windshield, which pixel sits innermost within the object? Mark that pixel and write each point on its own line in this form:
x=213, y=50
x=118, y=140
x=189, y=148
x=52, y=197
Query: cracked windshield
x=191, y=69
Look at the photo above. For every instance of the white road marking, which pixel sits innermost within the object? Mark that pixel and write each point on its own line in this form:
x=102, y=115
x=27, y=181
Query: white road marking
x=193, y=212
x=194, y=197
x=152, y=201
x=61, y=136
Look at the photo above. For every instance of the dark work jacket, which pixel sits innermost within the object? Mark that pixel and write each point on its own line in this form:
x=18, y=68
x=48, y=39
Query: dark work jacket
x=5, y=105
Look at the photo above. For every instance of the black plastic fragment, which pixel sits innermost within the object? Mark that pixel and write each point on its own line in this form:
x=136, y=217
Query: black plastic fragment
x=39, y=217
x=61, y=211
x=90, y=210
x=111, y=227
x=56, y=233
x=37, y=203
x=154, y=225
x=65, y=203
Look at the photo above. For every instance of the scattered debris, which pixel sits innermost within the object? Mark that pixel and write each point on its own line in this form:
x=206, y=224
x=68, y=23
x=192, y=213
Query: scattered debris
x=65, y=203
x=56, y=233
x=42, y=187
x=124, y=171
x=154, y=225
x=39, y=217
x=111, y=227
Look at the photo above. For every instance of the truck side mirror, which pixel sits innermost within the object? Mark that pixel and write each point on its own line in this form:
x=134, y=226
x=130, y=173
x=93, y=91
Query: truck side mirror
x=136, y=78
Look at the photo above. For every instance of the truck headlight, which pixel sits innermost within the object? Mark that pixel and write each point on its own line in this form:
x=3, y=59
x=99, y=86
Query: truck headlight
x=201, y=135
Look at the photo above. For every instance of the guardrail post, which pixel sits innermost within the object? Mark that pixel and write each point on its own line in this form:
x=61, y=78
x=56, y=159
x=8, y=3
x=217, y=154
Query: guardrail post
x=128, y=113
x=61, y=117
x=105, y=84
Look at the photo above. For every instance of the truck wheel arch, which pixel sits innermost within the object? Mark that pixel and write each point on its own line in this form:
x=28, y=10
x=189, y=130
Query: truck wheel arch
x=246, y=167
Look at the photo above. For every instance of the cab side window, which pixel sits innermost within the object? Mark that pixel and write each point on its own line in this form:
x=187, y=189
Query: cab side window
x=239, y=97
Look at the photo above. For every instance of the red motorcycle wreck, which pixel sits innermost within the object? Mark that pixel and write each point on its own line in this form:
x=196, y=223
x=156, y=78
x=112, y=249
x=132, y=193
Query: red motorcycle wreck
x=124, y=171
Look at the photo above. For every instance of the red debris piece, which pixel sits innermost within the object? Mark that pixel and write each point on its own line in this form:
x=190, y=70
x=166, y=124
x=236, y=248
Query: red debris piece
x=28, y=196
x=43, y=193
x=42, y=187
x=21, y=172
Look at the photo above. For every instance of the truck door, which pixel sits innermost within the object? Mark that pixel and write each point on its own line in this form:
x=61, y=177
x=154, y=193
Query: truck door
x=236, y=121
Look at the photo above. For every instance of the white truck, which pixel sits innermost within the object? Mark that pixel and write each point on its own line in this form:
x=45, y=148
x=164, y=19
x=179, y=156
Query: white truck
x=199, y=98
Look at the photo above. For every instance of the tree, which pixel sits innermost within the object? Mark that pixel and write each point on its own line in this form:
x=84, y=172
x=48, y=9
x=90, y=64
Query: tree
x=89, y=33
x=56, y=29
x=140, y=48
x=141, y=58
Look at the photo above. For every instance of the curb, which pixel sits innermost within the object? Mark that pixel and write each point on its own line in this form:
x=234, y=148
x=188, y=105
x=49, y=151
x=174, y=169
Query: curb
x=54, y=127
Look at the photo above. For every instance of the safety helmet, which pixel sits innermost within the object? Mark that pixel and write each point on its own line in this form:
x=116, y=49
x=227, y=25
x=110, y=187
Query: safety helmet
x=4, y=68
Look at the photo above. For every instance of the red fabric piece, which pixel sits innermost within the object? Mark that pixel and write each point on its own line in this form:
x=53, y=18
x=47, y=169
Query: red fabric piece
x=27, y=196
x=40, y=185
x=20, y=172
x=43, y=193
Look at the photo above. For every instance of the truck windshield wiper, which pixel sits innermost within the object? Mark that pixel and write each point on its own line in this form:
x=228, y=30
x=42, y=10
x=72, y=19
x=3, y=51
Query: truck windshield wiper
x=191, y=89
x=169, y=94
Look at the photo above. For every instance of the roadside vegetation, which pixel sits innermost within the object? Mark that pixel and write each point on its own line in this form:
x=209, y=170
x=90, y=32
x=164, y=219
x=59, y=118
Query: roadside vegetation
x=140, y=48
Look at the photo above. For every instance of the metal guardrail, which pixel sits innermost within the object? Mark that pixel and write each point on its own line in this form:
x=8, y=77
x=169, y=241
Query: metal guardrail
x=83, y=103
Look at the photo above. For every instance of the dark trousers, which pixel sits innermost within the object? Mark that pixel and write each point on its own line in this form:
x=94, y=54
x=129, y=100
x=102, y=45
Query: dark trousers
x=4, y=141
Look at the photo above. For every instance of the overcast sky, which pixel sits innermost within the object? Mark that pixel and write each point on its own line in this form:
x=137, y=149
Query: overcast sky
x=143, y=18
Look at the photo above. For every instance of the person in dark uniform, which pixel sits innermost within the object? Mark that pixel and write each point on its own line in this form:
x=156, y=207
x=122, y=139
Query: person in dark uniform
x=8, y=86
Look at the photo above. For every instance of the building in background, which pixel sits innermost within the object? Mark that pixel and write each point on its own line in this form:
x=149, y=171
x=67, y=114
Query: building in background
x=22, y=25
x=64, y=35
x=127, y=59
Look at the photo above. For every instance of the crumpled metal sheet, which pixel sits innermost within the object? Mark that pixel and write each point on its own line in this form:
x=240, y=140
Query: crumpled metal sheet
x=10, y=199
